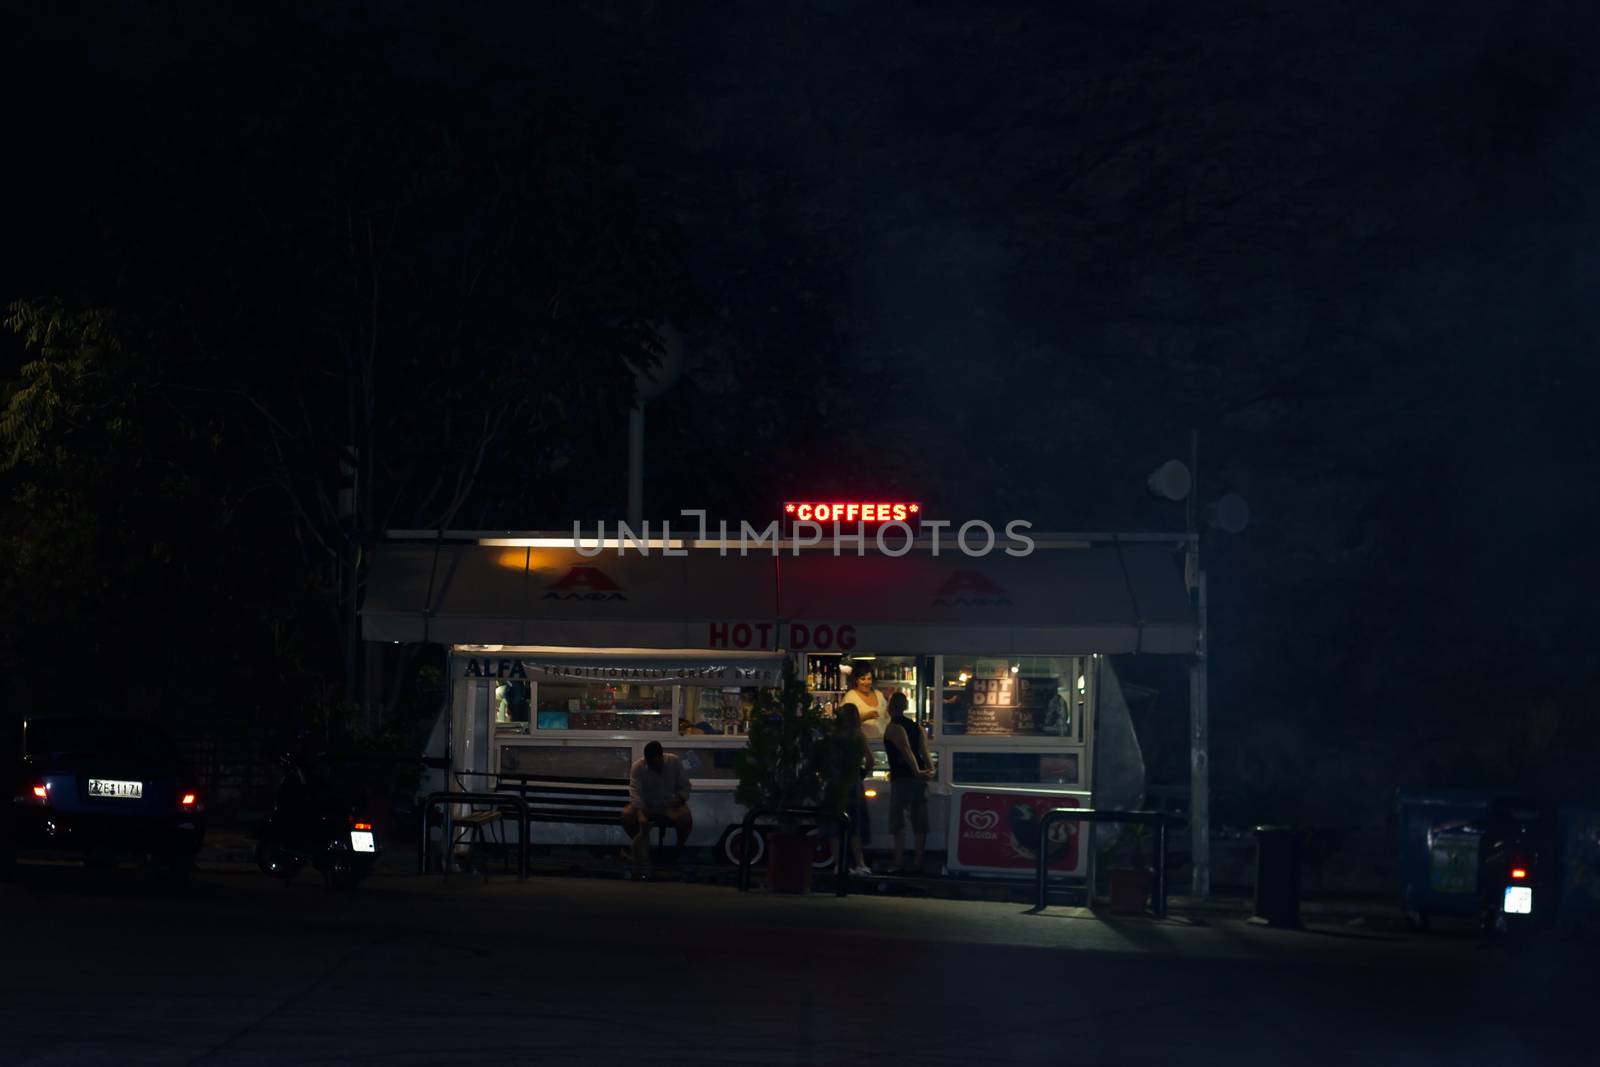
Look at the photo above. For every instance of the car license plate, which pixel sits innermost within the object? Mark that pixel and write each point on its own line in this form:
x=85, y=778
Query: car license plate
x=1519, y=900
x=361, y=841
x=111, y=787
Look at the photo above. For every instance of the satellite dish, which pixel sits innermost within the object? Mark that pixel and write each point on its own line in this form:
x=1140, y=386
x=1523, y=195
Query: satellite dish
x=1229, y=513
x=1170, y=481
x=651, y=382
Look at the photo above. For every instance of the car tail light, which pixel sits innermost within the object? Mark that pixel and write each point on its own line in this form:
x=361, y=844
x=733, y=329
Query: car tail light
x=1519, y=873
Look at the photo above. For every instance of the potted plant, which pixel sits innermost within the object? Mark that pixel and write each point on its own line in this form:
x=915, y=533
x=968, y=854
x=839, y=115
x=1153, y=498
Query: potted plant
x=787, y=764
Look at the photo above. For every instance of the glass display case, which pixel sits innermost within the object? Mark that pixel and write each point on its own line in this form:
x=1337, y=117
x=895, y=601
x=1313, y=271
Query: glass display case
x=714, y=712
x=599, y=706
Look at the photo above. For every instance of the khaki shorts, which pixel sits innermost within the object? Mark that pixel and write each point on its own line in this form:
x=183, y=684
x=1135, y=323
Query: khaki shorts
x=908, y=798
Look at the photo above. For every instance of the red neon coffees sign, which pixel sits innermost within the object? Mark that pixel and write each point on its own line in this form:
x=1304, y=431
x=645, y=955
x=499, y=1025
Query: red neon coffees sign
x=853, y=511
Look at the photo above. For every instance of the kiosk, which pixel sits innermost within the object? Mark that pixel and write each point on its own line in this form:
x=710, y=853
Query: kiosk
x=566, y=657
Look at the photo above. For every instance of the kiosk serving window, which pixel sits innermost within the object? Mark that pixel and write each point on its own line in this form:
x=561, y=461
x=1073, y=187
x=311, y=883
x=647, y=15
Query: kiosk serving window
x=1027, y=696
x=709, y=710
x=513, y=706
x=577, y=705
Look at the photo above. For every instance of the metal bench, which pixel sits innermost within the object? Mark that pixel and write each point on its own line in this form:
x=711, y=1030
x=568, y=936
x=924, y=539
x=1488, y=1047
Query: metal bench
x=552, y=799
x=583, y=801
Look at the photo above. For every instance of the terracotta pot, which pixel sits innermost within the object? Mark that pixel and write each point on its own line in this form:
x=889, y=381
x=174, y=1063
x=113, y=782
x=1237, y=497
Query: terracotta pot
x=1130, y=890
x=789, y=858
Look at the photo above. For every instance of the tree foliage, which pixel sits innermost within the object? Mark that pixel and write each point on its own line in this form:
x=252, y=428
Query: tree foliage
x=794, y=758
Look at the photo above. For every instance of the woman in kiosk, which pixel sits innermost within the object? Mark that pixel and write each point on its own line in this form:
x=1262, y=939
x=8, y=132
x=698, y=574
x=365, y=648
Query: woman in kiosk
x=871, y=705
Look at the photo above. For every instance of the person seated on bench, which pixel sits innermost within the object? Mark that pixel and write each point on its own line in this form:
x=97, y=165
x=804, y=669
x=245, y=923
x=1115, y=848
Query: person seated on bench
x=658, y=792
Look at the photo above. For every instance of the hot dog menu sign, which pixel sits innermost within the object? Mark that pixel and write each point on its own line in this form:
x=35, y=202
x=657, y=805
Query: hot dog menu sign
x=1000, y=831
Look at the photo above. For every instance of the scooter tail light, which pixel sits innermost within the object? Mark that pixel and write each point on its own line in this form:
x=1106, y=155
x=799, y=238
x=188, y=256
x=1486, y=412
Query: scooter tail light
x=361, y=826
x=1519, y=874
x=41, y=792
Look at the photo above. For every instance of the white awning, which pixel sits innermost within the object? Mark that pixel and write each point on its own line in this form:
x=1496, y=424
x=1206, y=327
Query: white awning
x=1105, y=597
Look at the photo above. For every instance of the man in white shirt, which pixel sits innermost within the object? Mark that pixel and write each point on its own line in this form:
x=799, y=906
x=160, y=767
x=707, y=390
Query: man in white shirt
x=658, y=791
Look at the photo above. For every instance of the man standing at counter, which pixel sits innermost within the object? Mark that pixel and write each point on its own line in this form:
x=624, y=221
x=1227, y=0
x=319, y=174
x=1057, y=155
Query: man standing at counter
x=909, y=774
x=658, y=792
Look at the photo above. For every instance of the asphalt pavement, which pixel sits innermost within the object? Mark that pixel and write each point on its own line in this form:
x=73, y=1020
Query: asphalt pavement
x=109, y=967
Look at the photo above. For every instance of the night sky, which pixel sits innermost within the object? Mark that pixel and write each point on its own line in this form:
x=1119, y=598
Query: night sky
x=1002, y=258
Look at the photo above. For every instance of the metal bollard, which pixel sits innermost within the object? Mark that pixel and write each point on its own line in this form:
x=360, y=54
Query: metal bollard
x=1277, y=877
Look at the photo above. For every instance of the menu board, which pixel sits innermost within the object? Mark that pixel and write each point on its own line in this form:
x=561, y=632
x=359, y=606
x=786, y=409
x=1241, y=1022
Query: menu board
x=1007, y=705
x=994, y=706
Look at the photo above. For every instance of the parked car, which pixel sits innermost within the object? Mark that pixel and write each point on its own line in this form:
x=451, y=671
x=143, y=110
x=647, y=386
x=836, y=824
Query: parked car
x=98, y=789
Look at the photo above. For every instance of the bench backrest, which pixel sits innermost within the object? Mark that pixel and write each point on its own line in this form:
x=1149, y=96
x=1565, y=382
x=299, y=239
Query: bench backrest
x=577, y=795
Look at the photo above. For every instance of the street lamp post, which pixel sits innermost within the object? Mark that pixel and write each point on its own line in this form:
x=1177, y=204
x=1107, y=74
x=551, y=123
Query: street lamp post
x=649, y=383
x=1199, y=728
x=1199, y=740
x=1175, y=481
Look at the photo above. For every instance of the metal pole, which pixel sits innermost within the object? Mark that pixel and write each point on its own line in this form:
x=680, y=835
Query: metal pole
x=636, y=466
x=1160, y=901
x=847, y=831
x=1199, y=757
x=1199, y=732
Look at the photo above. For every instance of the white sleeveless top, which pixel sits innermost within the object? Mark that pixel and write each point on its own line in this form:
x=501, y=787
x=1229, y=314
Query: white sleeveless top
x=873, y=728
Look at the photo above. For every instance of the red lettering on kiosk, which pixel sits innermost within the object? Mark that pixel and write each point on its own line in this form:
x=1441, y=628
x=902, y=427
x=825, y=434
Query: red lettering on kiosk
x=851, y=511
x=765, y=635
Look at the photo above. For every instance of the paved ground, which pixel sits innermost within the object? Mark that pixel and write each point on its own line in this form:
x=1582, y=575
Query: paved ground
x=104, y=967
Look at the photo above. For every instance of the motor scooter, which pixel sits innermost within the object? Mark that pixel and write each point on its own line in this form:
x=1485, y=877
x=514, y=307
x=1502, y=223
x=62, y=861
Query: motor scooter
x=314, y=824
x=1518, y=865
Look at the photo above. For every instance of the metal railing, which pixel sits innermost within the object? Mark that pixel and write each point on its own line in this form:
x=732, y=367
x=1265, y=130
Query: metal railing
x=841, y=879
x=1159, y=819
x=450, y=799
